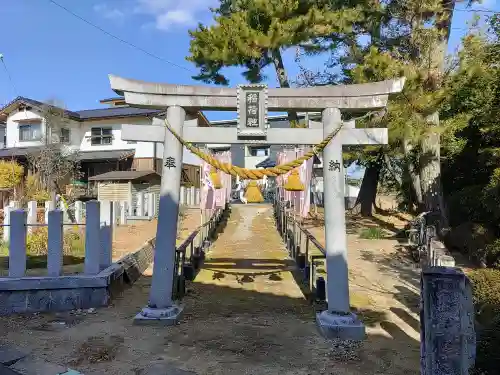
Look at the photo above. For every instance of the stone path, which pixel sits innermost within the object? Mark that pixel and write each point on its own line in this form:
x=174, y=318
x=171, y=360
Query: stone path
x=249, y=256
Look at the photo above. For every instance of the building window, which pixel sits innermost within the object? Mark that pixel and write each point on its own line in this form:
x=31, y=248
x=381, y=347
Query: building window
x=101, y=136
x=30, y=132
x=64, y=136
x=258, y=151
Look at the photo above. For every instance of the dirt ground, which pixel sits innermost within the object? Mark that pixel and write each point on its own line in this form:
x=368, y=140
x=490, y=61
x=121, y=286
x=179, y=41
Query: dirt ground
x=244, y=314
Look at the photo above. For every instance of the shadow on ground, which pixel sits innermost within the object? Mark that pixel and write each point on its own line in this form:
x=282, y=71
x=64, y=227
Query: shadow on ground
x=223, y=331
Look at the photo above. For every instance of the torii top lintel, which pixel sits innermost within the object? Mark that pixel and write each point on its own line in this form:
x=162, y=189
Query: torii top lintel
x=366, y=96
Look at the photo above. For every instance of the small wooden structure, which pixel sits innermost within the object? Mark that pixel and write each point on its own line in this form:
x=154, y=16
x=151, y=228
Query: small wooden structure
x=122, y=186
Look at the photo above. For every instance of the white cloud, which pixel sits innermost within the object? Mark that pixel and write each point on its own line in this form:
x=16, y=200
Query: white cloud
x=169, y=14
x=110, y=13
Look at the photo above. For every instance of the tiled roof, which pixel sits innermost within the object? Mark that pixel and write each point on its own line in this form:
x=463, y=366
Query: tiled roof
x=87, y=114
x=115, y=112
x=104, y=155
x=36, y=103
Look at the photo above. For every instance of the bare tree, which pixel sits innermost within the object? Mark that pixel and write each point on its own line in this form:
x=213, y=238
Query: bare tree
x=54, y=163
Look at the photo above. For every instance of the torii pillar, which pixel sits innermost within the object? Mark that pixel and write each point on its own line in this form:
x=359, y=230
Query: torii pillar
x=252, y=103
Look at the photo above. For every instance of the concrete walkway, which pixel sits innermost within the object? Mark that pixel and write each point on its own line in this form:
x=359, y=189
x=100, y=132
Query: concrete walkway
x=250, y=255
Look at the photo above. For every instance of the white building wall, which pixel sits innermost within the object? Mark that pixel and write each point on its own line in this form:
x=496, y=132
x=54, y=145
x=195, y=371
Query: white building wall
x=12, y=128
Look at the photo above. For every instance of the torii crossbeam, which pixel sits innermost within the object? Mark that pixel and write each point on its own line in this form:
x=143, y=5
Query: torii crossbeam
x=252, y=103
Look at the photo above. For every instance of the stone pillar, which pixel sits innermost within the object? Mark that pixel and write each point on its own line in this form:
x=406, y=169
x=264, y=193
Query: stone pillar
x=92, y=238
x=55, y=243
x=106, y=234
x=123, y=213
x=183, y=196
x=79, y=212
x=49, y=206
x=448, y=340
x=337, y=322
x=192, y=196
x=6, y=223
x=17, y=243
x=31, y=215
x=161, y=308
x=151, y=204
x=62, y=207
x=140, y=204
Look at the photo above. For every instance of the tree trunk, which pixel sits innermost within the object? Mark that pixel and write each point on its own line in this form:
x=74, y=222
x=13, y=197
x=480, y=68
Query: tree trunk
x=293, y=119
x=413, y=176
x=430, y=172
x=430, y=160
x=368, y=191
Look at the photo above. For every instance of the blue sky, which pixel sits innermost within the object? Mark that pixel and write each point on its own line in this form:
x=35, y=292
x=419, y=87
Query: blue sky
x=52, y=55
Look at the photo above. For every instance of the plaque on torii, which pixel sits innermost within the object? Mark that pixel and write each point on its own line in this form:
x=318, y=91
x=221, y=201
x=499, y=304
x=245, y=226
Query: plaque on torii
x=337, y=321
x=252, y=112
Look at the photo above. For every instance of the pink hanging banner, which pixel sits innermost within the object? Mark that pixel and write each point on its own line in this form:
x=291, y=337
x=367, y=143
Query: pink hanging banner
x=228, y=177
x=220, y=194
x=207, y=192
x=306, y=175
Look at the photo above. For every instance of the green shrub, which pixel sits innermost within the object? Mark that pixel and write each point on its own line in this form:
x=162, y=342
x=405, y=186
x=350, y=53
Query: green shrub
x=486, y=293
x=491, y=254
x=488, y=349
x=486, y=296
x=372, y=233
x=36, y=242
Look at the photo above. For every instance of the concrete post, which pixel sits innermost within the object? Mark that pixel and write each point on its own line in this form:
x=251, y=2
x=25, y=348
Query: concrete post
x=6, y=223
x=123, y=212
x=31, y=219
x=106, y=234
x=62, y=207
x=337, y=321
x=79, y=212
x=140, y=203
x=161, y=308
x=17, y=243
x=92, y=237
x=49, y=206
x=55, y=243
x=151, y=204
x=183, y=200
x=192, y=196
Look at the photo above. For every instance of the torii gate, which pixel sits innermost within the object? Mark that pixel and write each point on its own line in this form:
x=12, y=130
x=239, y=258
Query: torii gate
x=252, y=103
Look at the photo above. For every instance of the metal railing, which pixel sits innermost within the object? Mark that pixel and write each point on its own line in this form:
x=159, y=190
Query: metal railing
x=298, y=241
x=188, y=256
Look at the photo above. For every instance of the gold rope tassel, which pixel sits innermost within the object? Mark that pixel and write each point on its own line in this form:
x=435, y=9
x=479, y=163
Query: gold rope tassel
x=253, y=194
x=214, y=176
x=293, y=182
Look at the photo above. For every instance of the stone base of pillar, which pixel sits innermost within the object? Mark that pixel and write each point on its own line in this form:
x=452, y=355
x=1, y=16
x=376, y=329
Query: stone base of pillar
x=164, y=317
x=337, y=326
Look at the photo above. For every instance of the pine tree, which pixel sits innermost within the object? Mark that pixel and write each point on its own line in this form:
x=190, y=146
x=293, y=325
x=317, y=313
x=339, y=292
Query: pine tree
x=252, y=33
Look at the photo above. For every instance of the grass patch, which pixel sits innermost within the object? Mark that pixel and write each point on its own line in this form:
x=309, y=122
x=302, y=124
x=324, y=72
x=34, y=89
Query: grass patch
x=36, y=249
x=372, y=233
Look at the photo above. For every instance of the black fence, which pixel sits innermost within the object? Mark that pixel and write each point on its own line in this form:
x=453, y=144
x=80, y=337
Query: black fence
x=191, y=252
x=298, y=242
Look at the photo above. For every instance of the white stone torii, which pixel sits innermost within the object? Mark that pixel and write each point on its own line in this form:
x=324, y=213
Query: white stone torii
x=337, y=321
